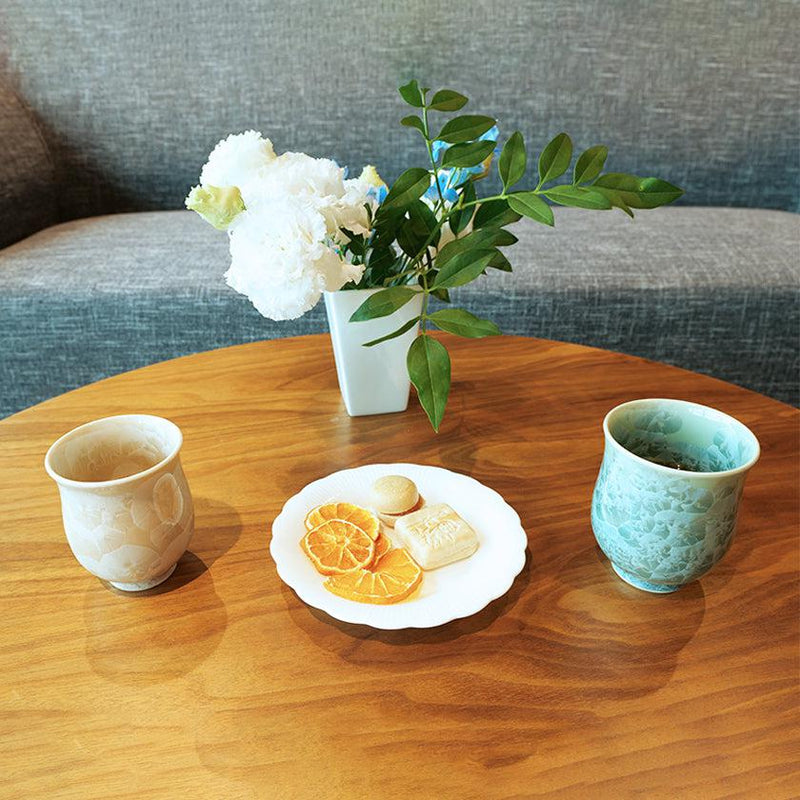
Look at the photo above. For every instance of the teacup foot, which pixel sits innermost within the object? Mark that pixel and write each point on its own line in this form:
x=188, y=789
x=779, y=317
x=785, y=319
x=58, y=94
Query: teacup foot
x=143, y=585
x=645, y=586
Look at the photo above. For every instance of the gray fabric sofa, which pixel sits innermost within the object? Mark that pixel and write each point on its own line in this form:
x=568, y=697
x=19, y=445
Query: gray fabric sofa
x=106, y=120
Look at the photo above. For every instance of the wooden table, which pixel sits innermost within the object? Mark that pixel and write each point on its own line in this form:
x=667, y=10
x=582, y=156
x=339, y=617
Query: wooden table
x=222, y=684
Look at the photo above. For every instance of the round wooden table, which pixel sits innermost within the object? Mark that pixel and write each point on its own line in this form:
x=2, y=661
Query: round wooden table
x=222, y=684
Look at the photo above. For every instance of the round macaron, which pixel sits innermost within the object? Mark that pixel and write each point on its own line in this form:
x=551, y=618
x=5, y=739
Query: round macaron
x=393, y=496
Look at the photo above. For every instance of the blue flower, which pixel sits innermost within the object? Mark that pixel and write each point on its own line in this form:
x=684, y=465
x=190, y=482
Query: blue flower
x=451, y=179
x=378, y=193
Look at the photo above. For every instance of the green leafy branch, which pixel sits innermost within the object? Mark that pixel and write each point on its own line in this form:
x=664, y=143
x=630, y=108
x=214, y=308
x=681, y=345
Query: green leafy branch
x=476, y=226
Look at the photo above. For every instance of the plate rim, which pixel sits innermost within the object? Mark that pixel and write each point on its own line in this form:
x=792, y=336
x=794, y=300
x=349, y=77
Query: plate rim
x=434, y=621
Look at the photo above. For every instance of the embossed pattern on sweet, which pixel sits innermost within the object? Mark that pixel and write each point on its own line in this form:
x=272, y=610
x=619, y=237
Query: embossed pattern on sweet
x=436, y=536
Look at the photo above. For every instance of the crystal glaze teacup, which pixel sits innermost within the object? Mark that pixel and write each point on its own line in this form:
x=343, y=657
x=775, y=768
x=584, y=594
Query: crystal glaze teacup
x=125, y=502
x=665, y=504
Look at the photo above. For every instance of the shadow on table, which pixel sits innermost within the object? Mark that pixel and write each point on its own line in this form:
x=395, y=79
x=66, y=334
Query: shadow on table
x=318, y=625
x=589, y=631
x=570, y=627
x=141, y=638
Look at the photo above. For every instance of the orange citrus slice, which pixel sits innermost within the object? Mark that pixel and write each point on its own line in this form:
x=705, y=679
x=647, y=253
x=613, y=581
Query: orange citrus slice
x=348, y=512
x=382, y=546
x=392, y=579
x=336, y=547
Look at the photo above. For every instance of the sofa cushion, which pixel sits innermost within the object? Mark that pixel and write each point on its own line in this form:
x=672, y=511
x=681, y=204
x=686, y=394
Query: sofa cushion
x=27, y=179
x=711, y=289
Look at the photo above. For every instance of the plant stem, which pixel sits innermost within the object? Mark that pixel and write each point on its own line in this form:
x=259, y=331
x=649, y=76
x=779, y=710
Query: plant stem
x=429, y=146
x=425, y=296
x=402, y=274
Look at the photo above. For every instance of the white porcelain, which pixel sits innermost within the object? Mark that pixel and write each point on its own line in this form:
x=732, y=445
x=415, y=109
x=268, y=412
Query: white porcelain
x=373, y=380
x=457, y=590
x=126, y=505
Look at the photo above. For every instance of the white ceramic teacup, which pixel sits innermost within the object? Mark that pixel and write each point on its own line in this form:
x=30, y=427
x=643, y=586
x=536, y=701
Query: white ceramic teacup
x=126, y=505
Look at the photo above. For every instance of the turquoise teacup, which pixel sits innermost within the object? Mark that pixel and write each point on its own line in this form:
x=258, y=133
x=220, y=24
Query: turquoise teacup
x=666, y=499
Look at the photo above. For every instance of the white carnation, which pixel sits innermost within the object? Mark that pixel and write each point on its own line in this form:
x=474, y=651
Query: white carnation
x=321, y=184
x=280, y=259
x=237, y=160
x=301, y=175
x=359, y=192
x=285, y=245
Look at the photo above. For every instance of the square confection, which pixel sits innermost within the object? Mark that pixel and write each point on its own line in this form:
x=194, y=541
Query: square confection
x=435, y=535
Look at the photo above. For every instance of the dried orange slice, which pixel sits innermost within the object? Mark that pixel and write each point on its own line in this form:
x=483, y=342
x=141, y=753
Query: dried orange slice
x=336, y=547
x=348, y=512
x=382, y=546
x=314, y=514
x=392, y=579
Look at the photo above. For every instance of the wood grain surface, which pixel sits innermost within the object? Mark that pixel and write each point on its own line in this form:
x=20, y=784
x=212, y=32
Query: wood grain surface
x=222, y=684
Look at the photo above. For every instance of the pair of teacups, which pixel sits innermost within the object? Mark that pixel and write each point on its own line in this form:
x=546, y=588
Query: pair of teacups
x=664, y=508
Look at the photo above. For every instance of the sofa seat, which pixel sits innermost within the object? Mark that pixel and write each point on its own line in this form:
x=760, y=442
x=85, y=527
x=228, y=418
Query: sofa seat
x=713, y=290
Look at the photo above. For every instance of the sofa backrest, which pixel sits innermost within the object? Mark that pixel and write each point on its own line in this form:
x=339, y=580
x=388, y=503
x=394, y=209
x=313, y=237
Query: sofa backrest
x=131, y=97
x=27, y=173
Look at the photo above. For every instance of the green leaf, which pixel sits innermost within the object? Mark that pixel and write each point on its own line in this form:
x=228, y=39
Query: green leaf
x=379, y=264
x=615, y=199
x=494, y=213
x=463, y=268
x=447, y=100
x=410, y=186
x=513, y=160
x=577, y=196
x=380, y=258
x=412, y=95
x=499, y=237
x=589, y=164
x=555, y=158
x=404, y=328
x=465, y=129
x=441, y=294
x=429, y=369
x=468, y=154
x=385, y=225
x=420, y=226
x=424, y=220
x=413, y=121
x=356, y=244
x=499, y=261
x=462, y=323
x=531, y=205
x=383, y=303
x=639, y=192
x=481, y=239
x=460, y=217
x=409, y=242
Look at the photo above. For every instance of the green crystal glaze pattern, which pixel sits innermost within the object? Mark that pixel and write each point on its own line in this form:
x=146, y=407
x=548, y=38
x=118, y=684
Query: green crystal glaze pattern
x=661, y=434
x=663, y=528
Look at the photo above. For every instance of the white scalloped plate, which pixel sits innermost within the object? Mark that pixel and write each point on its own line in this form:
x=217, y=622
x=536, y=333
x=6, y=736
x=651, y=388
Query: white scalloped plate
x=457, y=590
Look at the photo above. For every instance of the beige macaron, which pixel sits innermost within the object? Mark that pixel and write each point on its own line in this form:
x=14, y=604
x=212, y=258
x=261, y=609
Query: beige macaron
x=393, y=496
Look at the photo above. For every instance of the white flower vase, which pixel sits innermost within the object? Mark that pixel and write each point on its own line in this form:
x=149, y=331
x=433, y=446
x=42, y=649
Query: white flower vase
x=373, y=380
